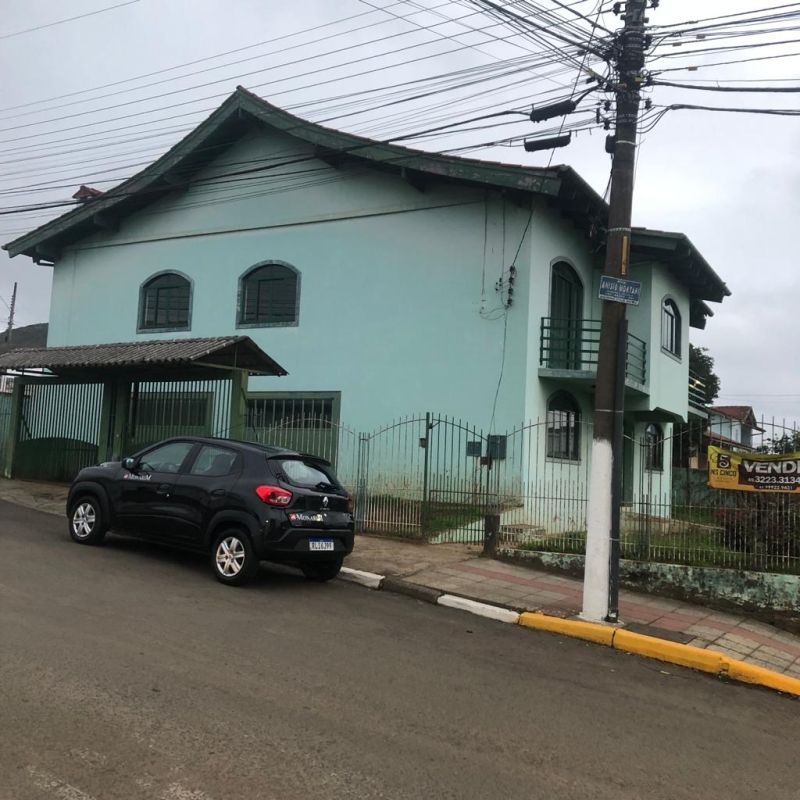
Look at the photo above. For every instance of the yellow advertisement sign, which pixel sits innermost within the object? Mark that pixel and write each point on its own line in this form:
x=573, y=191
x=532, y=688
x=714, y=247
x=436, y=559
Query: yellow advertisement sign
x=753, y=472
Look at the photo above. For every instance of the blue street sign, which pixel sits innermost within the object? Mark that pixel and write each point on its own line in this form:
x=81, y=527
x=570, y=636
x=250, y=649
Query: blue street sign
x=620, y=290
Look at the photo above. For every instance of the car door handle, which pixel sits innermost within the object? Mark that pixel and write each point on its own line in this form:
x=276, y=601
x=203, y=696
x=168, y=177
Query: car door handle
x=164, y=489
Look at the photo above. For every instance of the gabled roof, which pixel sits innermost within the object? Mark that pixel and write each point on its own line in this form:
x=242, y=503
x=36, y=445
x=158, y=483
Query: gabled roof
x=235, y=352
x=177, y=168
x=743, y=414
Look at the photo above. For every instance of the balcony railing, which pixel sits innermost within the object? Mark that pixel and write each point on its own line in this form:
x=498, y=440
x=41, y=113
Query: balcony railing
x=573, y=345
x=698, y=392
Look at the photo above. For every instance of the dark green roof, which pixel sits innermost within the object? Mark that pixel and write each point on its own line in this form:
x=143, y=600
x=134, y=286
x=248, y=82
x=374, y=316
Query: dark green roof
x=564, y=188
x=235, y=352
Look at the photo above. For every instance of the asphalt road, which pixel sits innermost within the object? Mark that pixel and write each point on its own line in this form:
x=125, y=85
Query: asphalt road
x=128, y=672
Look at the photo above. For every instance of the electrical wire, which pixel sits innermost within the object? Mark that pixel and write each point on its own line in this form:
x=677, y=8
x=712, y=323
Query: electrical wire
x=68, y=19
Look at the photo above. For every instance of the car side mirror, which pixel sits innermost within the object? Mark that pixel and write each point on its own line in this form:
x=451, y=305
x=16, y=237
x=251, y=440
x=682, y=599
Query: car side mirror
x=129, y=464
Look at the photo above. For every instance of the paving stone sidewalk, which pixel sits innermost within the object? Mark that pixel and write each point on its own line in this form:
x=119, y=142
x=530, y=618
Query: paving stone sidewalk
x=460, y=569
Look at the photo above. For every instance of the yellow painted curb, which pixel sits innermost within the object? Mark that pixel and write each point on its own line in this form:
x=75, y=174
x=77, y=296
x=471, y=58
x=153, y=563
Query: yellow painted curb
x=684, y=655
x=675, y=653
x=750, y=673
x=590, y=631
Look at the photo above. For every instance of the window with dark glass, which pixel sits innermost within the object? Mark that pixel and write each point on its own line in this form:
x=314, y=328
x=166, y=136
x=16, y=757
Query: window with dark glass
x=269, y=296
x=566, y=318
x=653, y=447
x=563, y=427
x=165, y=303
x=671, y=327
x=166, y=458
x=215, y=462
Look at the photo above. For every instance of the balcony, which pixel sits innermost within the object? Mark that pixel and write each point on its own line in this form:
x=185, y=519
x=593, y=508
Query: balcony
x=698, y=396
x=568, y=349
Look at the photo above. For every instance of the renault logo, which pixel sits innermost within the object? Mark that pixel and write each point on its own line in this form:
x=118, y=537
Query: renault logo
x=324, y=502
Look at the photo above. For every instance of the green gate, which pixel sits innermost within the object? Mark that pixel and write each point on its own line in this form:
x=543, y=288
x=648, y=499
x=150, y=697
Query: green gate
x=59, y=429
x=157, y=410
x=5, y=425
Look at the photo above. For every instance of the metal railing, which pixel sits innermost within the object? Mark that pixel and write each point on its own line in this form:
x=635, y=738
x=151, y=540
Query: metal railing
x=574, y=344
x=697, y=390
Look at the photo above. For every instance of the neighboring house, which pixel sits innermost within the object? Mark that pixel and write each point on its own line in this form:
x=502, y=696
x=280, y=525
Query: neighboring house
x=386, y=280
x=733, y=426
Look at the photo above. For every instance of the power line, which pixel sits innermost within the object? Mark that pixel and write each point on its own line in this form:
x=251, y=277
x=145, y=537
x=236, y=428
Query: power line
x=68, y=19
x=776, y=89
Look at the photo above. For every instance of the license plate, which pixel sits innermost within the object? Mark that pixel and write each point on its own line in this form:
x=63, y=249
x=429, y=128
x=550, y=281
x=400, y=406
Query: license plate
x=320, y=544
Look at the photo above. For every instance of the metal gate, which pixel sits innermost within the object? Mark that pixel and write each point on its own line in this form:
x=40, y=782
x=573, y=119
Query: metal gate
x=59, y=429
x=157, y=410
x=5, y=425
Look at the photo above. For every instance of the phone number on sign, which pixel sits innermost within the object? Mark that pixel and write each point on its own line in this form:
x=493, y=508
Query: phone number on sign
x=775, y=480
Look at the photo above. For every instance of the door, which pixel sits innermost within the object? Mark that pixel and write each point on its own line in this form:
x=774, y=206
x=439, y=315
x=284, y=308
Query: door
x=147, y=501
x=205, y=488
x=566, y=317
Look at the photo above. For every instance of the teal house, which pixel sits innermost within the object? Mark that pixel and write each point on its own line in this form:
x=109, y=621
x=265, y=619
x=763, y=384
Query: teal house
x=389, y=283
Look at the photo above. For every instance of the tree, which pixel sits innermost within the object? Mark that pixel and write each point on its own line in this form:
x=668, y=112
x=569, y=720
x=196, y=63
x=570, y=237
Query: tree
x=702, y=365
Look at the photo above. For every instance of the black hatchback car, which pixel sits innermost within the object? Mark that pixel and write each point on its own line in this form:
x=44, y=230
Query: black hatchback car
x=240, y=502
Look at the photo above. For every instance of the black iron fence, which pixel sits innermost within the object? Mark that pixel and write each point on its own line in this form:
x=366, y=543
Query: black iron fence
x=436, y=477
x=439, y=478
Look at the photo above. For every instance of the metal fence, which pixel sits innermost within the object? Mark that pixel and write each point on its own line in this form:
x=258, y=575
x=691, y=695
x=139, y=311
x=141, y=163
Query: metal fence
x=59, y=430
x=5, y=424
x=435, y=477
x=575, y=344
x=191, y=407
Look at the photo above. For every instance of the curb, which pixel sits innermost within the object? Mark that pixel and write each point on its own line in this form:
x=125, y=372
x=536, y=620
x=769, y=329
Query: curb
x=639, y=644
x=368, y=579
x=481, y=609
x=684, y=655
x=415, y=590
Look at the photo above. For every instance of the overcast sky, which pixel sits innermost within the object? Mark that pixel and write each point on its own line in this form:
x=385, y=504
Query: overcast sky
x=730, y=182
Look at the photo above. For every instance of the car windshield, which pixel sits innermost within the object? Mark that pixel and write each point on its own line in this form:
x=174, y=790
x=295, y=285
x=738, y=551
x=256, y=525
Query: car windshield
x=306, y=474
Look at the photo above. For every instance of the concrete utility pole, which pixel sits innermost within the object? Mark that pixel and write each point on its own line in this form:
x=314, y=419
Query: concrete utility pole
x=11, y=313
x=606, y=464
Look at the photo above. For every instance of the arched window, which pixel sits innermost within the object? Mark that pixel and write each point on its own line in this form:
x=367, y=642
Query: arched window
x=566, y=317
x=563, y=427
x=671, y=327
x=653, y=447
x=269, y=294
x=165, y=303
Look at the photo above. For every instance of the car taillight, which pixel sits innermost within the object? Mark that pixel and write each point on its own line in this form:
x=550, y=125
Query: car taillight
x=350, y=504
x=274, y=495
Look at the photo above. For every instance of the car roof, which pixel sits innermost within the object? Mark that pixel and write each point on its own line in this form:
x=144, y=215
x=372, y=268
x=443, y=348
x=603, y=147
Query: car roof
x=252, y=447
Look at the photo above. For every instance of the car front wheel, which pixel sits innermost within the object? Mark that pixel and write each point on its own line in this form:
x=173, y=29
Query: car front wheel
x=322, y=571
x=233, y=559
x=86, y=522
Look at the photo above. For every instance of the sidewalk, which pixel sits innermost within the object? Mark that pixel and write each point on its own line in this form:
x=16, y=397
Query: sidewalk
x=459, y=569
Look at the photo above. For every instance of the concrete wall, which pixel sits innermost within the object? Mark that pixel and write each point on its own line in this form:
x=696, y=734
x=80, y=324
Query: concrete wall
x=668, y=375
x=398, y=307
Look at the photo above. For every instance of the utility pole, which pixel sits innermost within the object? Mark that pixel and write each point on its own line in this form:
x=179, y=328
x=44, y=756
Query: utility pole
x=11, y=313
x=602, y=536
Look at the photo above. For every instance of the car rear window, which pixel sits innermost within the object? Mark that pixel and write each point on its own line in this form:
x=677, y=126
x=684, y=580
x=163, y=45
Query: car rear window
x=305, y=473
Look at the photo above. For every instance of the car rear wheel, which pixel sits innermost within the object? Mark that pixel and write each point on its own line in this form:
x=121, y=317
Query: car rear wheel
x=86, y=522
x=233, y=559
x=322, y=571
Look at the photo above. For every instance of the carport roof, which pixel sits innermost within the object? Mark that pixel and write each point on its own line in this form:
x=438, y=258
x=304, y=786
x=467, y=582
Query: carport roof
x=232, y=352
